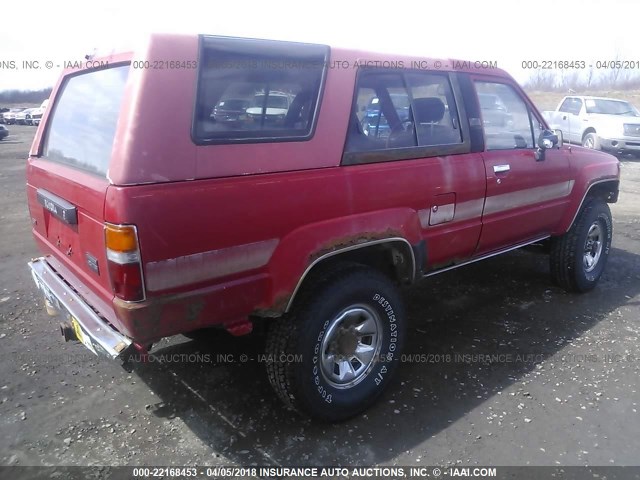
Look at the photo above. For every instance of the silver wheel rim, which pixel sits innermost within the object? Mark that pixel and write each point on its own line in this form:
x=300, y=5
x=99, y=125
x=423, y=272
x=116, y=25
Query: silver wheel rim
x=592, y=247
x=350, y=346
x=588, y=142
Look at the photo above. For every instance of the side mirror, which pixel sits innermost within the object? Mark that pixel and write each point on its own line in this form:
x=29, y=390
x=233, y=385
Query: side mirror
x=560, y=142
x=548, y=139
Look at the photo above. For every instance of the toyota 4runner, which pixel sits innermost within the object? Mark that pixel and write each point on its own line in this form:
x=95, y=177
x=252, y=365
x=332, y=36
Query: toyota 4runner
x=297, y=213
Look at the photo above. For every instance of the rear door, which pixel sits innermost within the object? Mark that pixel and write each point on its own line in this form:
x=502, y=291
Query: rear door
x=67, y=174
x=525, y=197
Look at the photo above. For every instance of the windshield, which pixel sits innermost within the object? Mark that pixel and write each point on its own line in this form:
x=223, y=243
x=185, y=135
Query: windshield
x=611, y=107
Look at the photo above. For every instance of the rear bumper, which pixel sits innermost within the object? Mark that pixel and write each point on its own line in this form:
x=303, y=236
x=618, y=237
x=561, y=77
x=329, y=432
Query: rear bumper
x=95, y=333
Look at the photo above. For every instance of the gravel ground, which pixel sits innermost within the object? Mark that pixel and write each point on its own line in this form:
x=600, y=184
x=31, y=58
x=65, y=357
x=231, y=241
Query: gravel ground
x=501, y=368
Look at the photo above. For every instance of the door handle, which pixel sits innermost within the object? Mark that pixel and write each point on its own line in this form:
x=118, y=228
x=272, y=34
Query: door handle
x=501, y=168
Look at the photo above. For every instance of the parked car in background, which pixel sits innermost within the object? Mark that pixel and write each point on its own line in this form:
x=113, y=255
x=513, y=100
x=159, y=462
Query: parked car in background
x=295, y=220
x=269, y=108
x=28, y=119
x=36, y=115
x=598, y=122
x=494, y=111
x=2, y=111
x=10, y=116
x=33, y=116
x=231, y=111
x=21, y=117
x=4, y=132
x=374, y=123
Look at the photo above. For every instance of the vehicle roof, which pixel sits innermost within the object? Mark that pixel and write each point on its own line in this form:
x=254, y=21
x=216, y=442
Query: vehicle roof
x=591, y=97
x=338, y=54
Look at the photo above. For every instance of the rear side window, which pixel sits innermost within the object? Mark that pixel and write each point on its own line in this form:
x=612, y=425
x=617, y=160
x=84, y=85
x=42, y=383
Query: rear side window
x=256, y=90
x=435, y=114
x=84, y=120
x=401, y=110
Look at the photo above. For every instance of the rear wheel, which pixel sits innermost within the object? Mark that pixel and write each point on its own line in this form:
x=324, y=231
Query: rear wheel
x=579, y=256
x=338, y=351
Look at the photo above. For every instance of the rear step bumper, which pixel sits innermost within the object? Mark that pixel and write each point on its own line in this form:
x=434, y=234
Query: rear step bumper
x=89, y=328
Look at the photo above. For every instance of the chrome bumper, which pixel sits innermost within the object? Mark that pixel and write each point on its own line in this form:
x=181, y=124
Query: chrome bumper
x=94, y=332
x=620, y=143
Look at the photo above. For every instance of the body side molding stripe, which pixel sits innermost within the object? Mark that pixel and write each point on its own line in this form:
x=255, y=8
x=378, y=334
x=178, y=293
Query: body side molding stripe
x=489, y=255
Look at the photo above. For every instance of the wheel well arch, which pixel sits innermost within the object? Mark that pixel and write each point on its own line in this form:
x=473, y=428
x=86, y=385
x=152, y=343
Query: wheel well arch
x=607, y=190
x=588, y=131
x=394, y=257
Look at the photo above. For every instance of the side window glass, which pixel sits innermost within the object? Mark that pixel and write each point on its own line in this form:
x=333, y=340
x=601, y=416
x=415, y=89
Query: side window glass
x=505, y=117
x=370, y=116
x=537, y=128
x=257, y=90
x=381, y=117
x=434, y=112
x=566, y=105
x=571, y=105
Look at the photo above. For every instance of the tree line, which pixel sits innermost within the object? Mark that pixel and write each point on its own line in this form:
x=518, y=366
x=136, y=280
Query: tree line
x=583, y=80
x=24, y=96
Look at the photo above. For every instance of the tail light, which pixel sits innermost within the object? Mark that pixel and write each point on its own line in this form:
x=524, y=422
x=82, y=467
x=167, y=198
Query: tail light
x=124, y=262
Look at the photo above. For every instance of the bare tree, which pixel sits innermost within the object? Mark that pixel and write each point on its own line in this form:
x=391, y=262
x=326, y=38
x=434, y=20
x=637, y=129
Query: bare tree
x=615, y=72
x=590, y=75
x=541, y=80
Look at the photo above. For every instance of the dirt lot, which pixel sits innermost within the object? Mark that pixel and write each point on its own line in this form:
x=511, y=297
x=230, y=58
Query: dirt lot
x=565, y=391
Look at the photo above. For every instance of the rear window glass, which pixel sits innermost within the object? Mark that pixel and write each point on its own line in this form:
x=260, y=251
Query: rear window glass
x=257, y=90
x=84, y=119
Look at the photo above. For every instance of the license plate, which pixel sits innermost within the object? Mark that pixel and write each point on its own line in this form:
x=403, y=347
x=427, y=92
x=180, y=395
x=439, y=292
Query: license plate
x=82, y=336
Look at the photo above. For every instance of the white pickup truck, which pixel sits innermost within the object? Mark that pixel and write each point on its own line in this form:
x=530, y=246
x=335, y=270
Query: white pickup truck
x=596, y=122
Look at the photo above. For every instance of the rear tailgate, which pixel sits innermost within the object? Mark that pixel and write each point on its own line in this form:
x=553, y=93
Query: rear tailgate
x=67, y=174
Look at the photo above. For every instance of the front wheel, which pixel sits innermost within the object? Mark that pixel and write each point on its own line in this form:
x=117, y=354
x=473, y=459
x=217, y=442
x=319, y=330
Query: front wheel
x=579, y=256
x=591, y=140
x=336, y=354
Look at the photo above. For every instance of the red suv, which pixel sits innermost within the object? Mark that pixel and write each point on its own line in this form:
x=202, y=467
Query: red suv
x=293, y=212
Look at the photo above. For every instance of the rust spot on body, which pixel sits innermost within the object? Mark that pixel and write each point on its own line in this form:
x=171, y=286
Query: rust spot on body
x=353, y=240
x=277, y=309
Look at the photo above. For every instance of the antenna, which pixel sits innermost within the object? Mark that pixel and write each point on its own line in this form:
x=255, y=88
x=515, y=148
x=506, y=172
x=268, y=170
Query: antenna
x=569, y=118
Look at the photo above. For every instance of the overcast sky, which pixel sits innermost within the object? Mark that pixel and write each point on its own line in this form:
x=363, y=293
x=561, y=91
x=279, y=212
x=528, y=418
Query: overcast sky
x=494, y=30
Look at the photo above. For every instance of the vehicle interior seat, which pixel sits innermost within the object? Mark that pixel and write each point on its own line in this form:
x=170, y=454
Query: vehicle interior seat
x=428, y=113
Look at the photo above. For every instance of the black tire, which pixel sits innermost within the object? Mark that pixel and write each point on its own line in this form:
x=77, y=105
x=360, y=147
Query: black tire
x=570, y=266
x=591, y=140
x=323, y=325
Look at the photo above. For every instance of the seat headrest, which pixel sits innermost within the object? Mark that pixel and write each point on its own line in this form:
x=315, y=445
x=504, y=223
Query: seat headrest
x=428, y=109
